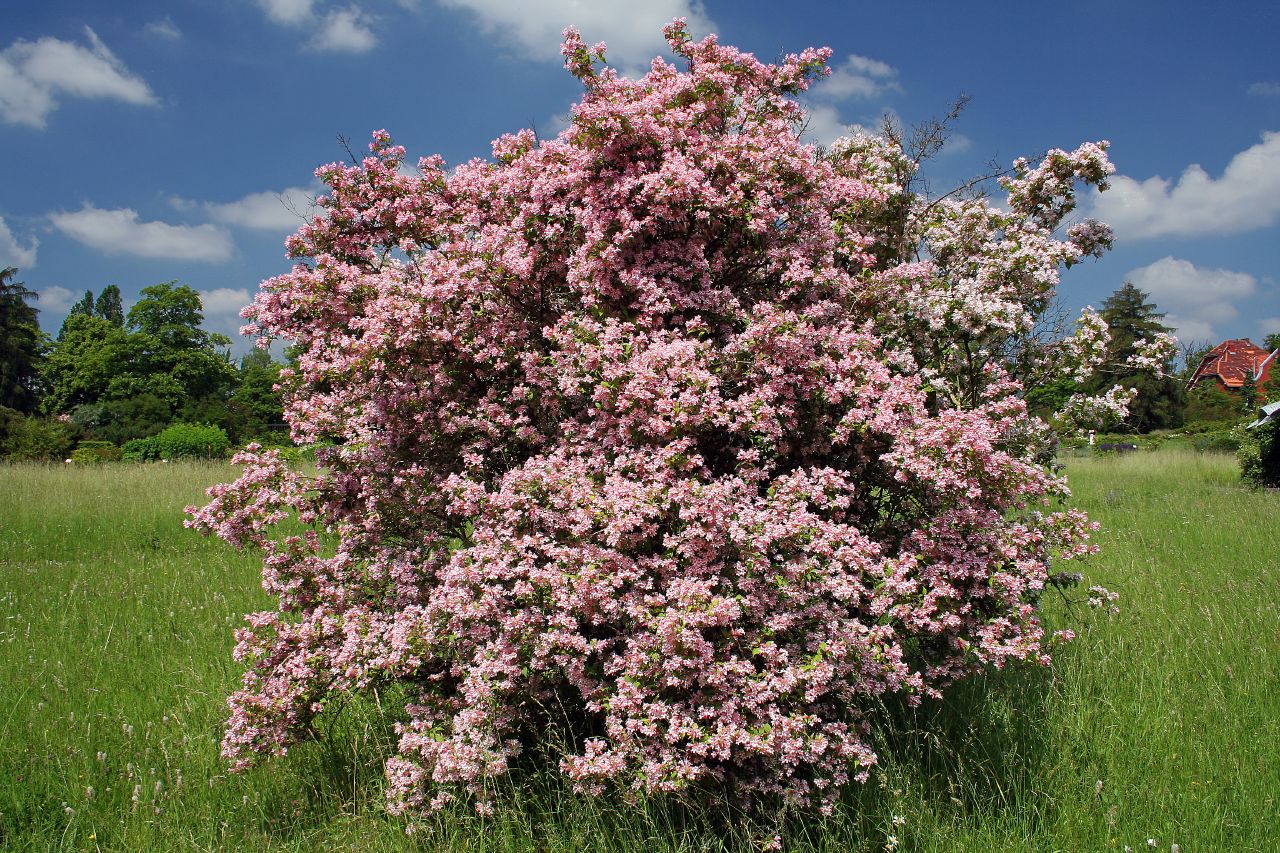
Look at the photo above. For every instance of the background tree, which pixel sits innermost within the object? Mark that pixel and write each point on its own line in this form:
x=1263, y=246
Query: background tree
x=1192, y=352
x=20, y=342
x=121, y=382
x=256, y=407
x=1271, y=342
x=1207, y=403
x=109, y=305
x=1161, y=398
x=1249, y=397
x=82, y=308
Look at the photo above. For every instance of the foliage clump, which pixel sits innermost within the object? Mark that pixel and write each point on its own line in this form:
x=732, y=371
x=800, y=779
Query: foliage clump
x=1259, y=455
x=25, y=438
x=672, y=439
x=180, y=441
x=93, y=452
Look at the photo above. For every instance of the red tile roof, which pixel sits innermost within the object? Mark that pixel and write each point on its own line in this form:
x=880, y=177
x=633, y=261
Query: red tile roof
x=1231, y=361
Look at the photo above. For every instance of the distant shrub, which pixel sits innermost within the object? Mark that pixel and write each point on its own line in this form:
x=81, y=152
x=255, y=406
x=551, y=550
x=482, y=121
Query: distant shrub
x=90, y=452
x=24, y=438
x=1259, y=455
x=141, y=450
x=192, y=441
x=1221, y=441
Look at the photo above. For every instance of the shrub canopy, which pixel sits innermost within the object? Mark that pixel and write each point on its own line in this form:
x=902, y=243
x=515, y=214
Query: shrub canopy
x=674, y=436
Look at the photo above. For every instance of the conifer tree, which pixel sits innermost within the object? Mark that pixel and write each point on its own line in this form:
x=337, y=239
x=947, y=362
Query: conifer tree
x=20, y=340
x=109, y=306
x=1131, y=318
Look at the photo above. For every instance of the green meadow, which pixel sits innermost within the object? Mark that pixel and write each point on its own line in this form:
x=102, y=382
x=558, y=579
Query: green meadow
x=1158, y=728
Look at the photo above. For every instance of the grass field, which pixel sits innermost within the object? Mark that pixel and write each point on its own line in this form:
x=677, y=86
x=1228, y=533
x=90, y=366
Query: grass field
x=1161, y=722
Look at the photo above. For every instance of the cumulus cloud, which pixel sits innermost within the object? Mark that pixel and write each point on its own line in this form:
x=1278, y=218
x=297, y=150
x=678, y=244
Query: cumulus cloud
x=1265, y=89
x=858, y=77
x=225, y=300
x=55, y=299
x=632, y=31
x=1197, y=300
x=13, y=253
x=824, y=125
x=346, y=30
x=287, y=11
x=33, y=75
x=164, y=29
x=264, y=211
x=1244, y=198
x=222, y=311
x=120, y=231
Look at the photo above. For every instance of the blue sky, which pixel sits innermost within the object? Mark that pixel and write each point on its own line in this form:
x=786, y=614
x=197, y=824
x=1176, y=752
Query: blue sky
x=154, y=141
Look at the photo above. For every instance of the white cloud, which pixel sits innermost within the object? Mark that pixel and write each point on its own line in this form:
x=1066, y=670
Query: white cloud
x=632, y=31
x=120, y=231
x=265, y=211
x=1269, y=326
x=823, y=124
x=1197, y=299
x=12, y=253
x=1188, y=331
x=222, y=310
x=1246, y=197
x=858, y=77
x=34, y=74
x=225, y=300
x=287, y=11
x=164, y=29
x=55, y=299
x=1265, y=89
x=345, y=30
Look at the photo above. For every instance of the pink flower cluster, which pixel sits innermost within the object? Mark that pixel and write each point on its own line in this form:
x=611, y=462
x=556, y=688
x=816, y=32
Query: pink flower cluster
x=655, y=439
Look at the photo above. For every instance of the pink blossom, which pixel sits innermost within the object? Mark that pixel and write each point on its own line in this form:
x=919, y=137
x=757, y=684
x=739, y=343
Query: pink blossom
x=672, y=431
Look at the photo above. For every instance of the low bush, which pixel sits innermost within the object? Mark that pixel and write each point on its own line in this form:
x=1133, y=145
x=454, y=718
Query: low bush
x=191, y=441
x=141, y=450
x=1219, y=441
x=29, y=439
x=1259, y=455
x=92, y=452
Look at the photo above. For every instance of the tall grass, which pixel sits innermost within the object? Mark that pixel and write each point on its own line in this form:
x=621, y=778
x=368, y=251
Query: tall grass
x=1160, y=722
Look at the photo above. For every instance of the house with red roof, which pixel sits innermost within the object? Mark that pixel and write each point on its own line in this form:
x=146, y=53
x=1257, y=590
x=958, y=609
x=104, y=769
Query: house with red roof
x=1230, y=362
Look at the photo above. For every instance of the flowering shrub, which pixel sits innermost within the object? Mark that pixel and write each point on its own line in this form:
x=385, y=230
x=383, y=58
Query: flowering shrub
x=671, y=432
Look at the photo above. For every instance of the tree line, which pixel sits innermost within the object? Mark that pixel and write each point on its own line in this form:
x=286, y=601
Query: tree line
x=111, y=377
